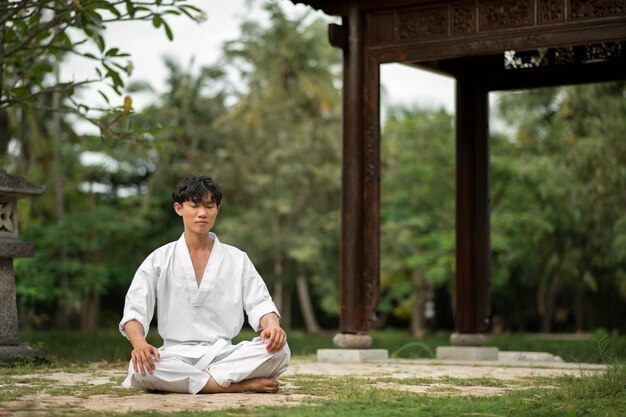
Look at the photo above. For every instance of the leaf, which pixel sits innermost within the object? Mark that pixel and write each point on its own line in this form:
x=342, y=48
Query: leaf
x=114, y=10
x=130, y=8
x=20, y=91
x=42, y=67
x=168, y=31
x=157, y=21
x=112, y=52
x=121, y=67
x=115, y=77
x=96, y=19
x=80, y=20
x=104, y=96
x=187, y=13
x=100, y=42
x=42, y=36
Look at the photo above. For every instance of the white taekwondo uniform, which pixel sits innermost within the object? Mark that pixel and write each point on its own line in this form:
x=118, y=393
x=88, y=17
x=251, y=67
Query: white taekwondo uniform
x=197, y=323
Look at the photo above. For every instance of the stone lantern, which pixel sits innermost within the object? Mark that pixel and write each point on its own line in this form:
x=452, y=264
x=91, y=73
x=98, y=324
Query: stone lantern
x=12, y=187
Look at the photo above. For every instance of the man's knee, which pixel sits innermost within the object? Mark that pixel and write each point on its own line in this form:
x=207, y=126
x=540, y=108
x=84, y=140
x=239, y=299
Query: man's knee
x=283, y=355
x=280, y=361
x=144, y=381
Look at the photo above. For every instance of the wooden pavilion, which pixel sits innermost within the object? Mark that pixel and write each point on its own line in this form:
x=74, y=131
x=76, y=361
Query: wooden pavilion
x=485, y=45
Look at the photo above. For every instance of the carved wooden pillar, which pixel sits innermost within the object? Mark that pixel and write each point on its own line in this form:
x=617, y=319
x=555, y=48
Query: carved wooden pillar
x=352, y=318
x=371, y=188
x=355, y=297
x=472, y=207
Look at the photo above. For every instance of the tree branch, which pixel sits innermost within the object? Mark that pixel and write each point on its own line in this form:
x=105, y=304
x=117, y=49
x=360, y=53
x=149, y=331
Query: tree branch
x=57, y=87
x=48, y=25
x=12, y=11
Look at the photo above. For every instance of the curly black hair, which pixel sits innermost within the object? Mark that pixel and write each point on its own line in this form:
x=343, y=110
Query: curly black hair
x=195, y=188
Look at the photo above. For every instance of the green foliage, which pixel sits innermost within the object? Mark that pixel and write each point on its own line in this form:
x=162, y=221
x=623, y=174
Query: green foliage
x=90, y=239
x=558, y=186
x=417, y=204
x=558, y=178
x=558, y=196
x=39, y=34
x=282, y=165
x=286, y=167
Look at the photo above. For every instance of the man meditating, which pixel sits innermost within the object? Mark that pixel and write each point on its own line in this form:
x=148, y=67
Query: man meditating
x=201, y=288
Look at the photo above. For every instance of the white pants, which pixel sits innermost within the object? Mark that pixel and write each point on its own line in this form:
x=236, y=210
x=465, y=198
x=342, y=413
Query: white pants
x=234, y=363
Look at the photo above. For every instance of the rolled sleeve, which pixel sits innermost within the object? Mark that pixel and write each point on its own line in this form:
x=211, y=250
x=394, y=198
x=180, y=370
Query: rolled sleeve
x=140, y=299
x=256, y=297
x=254, y=316
x=141, y=320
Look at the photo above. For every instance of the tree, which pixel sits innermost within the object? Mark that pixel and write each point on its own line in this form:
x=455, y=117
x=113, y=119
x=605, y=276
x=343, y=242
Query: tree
x=417, y=210
x=36, y=35
x=565, y=177
x=186, y=139
x=283, y=157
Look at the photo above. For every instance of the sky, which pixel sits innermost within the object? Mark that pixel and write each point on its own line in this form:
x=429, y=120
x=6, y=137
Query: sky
x=202, y=42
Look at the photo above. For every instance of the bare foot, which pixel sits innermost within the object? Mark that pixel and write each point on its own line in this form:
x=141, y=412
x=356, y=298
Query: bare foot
x=262, y=385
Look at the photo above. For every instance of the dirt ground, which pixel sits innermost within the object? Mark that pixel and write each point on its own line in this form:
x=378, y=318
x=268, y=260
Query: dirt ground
x=42, y=403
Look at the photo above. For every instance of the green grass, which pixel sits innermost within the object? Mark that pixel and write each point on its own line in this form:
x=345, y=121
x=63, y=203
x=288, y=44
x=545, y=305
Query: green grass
x=109, y=345
x=600, y=395
x=583, y=351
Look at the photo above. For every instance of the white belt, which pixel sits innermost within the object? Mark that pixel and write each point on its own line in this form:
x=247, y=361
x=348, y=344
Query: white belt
x=211, y=354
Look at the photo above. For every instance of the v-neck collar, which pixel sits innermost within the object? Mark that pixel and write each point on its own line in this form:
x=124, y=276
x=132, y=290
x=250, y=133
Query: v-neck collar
x=200, y=292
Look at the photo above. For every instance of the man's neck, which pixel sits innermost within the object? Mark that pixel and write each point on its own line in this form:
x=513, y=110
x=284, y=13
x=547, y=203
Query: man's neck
x=198, y=242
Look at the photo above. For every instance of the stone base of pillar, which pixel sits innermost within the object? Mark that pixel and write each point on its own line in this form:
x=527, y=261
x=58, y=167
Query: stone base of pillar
x=352, y=341
x=469, y=347
x=352, y=355
x=13, y=354
x=467, y=353
x=467, y=339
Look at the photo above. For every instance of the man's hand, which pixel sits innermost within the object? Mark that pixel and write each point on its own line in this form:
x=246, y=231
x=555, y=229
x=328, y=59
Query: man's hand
x=144, y=354
x=273, y=333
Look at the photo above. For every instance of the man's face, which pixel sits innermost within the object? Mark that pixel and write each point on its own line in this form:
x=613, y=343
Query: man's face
x=198, y=217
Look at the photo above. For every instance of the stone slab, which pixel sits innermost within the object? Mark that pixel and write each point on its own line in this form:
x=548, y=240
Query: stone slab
x=511, y=356
x=12, y=354
x=352, y=355
x=468, y=353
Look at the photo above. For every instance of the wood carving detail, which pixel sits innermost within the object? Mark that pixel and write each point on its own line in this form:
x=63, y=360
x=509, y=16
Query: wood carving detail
x=564, y=56
x=504, y=44
x=463, y=18
x=592, y=9
x=370, y=156
x=603, y=51
x=550, y=11
x=505, y=14
x=419, y=24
